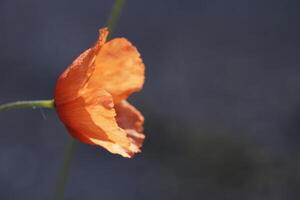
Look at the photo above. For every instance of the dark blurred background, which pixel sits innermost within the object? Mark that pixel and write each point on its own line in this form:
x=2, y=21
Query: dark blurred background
x=221, y=99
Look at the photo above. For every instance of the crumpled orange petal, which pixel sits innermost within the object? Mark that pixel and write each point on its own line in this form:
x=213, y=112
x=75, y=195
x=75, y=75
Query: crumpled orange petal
x=119, y=70
x=90, y=96
x=131, y=120
x=77, y=74
x=74, y=78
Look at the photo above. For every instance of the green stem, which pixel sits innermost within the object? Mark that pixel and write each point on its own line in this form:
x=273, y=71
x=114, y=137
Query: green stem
x=114, y=16
x=64, y=170
x=27, y=104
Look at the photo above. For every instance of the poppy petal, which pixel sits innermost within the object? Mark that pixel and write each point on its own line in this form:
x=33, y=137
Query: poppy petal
x=73, y=78
x=91, y=119
x=78, y=73
x=118, y=69
x=131, y=120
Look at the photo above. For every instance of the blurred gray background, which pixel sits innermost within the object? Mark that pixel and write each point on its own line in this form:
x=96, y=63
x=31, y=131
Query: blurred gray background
x=221, y=99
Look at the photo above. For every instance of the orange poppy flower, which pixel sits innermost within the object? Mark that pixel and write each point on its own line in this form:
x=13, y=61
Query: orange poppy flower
x=90, y=96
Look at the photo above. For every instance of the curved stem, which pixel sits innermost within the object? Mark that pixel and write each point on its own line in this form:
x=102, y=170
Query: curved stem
x=27, y=104
x=64, y=170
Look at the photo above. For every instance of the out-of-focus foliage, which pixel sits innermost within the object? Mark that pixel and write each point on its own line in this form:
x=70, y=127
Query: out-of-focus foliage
x=213, y=163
